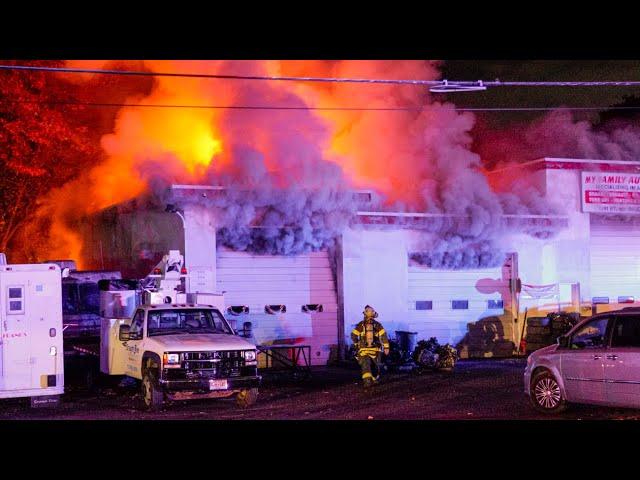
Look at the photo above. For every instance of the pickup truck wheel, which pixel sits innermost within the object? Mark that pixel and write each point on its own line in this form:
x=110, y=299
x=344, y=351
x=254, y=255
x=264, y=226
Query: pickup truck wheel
x=246, y=398
x=152, y=396
x=545, y=394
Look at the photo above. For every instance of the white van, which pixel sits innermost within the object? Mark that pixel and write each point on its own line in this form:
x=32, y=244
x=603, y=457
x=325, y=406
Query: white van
x=31, y=348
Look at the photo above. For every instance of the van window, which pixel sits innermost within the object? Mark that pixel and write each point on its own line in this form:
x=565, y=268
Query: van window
x=591, y=335
x=626, y=332
x=15, y=300
x=89, y=298
x=69, y=298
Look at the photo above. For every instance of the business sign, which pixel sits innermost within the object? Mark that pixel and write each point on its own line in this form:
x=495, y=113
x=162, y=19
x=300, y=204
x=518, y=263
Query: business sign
x=605, y=192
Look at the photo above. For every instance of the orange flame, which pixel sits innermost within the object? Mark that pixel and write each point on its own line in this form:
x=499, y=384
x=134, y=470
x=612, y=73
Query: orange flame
x=183, y=143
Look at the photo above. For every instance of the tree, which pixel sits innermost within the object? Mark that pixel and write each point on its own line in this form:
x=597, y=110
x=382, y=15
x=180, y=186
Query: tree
x=42, y=144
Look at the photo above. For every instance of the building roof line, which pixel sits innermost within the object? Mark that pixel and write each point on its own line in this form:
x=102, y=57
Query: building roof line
x=435, y=215
x=222, y=187
x=627, y=163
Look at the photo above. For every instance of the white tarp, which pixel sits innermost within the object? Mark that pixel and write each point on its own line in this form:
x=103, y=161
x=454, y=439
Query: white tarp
x=540, y=291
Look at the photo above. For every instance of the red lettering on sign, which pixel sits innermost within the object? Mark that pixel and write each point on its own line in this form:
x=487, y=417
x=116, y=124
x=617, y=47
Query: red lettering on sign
x=607, y=196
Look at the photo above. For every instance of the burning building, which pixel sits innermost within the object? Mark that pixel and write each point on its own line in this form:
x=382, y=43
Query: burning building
x=304, y=211
x=395, y=261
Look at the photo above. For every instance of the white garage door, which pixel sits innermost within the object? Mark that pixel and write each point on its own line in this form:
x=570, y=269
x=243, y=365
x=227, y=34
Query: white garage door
x=443, y=302
x=293, y=281
x=615, y=258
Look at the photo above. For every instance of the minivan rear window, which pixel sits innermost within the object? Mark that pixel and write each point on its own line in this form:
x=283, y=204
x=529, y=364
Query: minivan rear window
x=626, y=332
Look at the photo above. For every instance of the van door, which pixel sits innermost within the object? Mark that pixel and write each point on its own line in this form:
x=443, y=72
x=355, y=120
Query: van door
x=44, y=310
x=622, y=362
x=134, y=345
x=582, y=364
x=16, y=341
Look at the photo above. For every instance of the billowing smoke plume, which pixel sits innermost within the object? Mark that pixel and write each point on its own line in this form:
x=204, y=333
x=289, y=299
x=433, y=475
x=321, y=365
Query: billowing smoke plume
x=454, y=252
x=558, y=134
x=289, y=174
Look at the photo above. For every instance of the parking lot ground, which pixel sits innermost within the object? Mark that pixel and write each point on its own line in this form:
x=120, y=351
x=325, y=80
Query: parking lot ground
x=475, y=389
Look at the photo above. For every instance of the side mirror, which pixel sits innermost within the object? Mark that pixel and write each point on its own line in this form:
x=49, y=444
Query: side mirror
x=123, y=333
x=563, y=341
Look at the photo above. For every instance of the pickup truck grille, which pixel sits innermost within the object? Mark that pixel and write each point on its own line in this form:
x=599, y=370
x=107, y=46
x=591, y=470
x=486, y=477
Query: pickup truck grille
x=222, y=364
x=229, y=354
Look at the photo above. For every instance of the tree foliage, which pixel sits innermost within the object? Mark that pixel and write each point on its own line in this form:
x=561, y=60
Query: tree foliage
x=42, y=144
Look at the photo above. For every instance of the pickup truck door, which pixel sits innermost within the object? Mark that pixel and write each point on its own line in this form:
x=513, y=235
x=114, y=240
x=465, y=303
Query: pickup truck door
x=622, y=362
x=135, y=345
x=582, y=364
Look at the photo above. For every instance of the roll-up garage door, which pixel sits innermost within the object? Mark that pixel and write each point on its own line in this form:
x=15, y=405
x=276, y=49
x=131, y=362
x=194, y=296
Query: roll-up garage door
x=256, y=281
x=615, y=258
x=443, y=302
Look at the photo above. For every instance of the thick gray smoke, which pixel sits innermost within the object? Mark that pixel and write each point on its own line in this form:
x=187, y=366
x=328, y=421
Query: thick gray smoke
x=454, y=252
x=283, y=196
x=272, y=220
x=558, y=134
x=470, y=217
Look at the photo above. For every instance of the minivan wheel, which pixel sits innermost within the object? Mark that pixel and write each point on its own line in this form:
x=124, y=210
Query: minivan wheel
x=152, y=396
x=545, y=393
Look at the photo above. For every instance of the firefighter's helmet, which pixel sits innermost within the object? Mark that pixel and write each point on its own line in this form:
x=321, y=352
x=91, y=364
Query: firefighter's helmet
x=369, y=312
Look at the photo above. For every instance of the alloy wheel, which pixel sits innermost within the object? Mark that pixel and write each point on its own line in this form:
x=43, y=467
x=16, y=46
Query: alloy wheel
x=547, y=393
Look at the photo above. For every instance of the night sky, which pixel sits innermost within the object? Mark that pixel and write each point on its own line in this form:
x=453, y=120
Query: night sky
x=545, y=70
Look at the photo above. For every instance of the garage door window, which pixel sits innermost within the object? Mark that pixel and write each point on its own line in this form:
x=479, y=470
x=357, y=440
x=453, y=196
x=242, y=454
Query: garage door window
x=15, y=300
x=460, y=304
x=493, y=304
x=424, y=305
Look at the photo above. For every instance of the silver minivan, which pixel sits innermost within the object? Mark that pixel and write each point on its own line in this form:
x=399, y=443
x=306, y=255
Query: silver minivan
x=596, y=362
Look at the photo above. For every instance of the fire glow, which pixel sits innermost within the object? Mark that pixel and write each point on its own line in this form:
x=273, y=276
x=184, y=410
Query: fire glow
x=416, y=160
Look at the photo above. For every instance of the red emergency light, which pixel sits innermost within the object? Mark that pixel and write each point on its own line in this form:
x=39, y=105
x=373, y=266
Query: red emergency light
x=157, y=271
x=183, y=271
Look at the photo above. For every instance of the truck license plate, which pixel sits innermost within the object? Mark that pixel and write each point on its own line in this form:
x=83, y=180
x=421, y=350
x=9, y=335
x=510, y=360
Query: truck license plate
x=218, y=385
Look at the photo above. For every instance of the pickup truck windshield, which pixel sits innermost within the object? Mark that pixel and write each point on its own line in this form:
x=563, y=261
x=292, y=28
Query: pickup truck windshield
x=170, y=322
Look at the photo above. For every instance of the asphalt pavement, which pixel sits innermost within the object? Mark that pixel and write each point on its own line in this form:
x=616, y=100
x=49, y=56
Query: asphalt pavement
x=475, y=389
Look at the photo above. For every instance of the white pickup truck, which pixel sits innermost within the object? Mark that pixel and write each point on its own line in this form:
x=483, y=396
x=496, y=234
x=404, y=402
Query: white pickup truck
x=177, y=343
x=181, y=351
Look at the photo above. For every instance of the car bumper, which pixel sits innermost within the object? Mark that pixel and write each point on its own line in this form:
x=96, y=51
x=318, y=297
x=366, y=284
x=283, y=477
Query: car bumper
x=527, y=381
x=202, y=384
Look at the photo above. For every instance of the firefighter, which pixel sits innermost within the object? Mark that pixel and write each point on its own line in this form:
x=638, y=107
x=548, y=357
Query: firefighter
x=370, y=339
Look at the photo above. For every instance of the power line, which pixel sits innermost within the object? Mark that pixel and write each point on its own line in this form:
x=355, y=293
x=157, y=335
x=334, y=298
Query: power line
x=215, y=76
x=270, y=107
x=435, y=83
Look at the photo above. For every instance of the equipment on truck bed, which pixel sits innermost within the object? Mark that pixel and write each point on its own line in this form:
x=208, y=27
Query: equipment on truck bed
x=168, y=283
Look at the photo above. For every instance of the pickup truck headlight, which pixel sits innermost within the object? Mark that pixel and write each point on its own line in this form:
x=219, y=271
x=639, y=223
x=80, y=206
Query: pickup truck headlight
x=171, y=360
x=250, y=355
